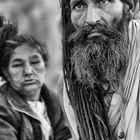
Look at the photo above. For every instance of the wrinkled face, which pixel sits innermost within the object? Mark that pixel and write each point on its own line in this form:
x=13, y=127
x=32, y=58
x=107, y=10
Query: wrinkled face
x=99, y=50
x=107, y=12
x=26, y=70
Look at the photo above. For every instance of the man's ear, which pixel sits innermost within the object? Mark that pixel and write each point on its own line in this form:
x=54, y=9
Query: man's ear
x=128, y=11
x=126, y=7
x=136, y=10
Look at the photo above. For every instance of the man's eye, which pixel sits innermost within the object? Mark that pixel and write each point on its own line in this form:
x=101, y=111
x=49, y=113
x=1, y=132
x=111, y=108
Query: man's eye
x=104, y=2
x=79, y=6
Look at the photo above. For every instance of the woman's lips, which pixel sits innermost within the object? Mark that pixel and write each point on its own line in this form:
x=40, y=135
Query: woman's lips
x=30, y=81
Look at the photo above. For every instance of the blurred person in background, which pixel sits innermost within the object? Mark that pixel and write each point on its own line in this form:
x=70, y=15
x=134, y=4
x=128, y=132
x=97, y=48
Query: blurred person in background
x=28, y=110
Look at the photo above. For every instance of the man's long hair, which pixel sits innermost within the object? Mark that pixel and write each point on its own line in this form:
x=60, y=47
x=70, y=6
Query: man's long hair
x=83, y=80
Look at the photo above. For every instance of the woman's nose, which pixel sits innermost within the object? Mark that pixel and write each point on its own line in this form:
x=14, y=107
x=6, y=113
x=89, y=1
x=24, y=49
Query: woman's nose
x=92, y=15
x=28, y=69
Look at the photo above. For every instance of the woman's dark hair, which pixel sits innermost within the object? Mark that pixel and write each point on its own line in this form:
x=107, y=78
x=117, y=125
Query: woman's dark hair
x=1, y=21
x=10, y=40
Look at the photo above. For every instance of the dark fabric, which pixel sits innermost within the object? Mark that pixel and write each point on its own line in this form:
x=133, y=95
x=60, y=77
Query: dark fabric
x=129, y=2
x=1, y=21
x=18, y=121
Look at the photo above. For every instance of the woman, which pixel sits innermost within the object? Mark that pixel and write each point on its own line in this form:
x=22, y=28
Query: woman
x=27, y=110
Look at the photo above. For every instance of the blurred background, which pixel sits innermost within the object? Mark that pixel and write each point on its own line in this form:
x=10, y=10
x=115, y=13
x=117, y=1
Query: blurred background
x=42, y=19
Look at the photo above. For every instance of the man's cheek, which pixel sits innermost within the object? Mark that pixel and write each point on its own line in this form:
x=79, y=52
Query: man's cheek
x=78, y=19
x=114, y=18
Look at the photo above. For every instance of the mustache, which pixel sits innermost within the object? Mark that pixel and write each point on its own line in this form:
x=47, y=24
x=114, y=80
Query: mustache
x=82, y=35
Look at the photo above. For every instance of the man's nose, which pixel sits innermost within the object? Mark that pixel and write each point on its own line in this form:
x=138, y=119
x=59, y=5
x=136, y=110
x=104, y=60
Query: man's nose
x=93, y=15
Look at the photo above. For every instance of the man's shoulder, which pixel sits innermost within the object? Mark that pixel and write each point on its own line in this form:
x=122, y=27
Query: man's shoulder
x=134, y=28
x=135, y=21
x=134, y=37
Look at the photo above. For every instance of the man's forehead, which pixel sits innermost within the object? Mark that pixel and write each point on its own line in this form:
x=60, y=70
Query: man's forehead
x=74, y=0
x=71, y=1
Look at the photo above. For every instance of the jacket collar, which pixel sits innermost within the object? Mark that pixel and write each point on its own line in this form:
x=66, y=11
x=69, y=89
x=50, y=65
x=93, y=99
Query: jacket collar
x=18, y=103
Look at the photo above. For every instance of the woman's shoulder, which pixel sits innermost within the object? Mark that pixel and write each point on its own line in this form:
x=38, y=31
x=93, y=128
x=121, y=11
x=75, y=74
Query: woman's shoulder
x=7, y=113
x=4, y=102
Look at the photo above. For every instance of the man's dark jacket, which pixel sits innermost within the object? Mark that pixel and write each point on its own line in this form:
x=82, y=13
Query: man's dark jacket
x=18, y=121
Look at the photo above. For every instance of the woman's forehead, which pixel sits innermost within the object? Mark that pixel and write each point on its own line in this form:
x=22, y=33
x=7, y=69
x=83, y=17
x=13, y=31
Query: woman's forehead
x=24, y=52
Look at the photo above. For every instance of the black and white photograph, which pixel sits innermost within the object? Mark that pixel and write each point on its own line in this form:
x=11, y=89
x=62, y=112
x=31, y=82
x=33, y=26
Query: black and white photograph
x=69, y=69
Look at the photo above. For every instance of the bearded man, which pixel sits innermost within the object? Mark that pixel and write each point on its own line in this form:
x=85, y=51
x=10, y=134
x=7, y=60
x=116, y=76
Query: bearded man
x=102, y=68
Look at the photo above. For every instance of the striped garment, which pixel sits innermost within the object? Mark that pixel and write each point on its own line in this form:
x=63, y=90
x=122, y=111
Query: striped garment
x=124, y=112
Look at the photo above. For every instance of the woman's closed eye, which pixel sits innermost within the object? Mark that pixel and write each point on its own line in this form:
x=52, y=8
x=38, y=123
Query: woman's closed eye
x=35, y=62
x=17, y=65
